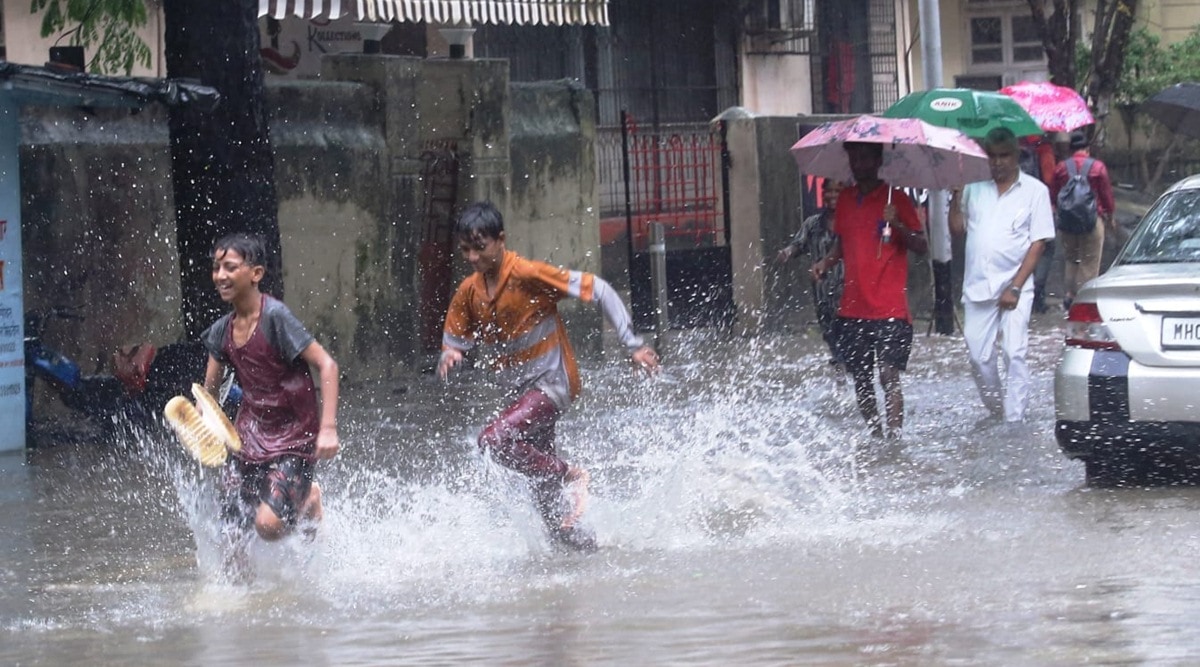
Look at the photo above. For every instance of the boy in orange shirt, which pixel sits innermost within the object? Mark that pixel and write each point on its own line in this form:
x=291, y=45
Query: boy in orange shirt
x=509, y=308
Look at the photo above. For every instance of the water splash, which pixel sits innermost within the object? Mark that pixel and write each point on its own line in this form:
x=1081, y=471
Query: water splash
x=763, y=451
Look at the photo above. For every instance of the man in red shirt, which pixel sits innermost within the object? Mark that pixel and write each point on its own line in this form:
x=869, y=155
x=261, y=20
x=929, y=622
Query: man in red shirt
x=1082, y=252
x=876, y=226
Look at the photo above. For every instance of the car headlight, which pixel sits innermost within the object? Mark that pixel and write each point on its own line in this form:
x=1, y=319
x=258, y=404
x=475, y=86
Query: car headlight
x=1086, y=329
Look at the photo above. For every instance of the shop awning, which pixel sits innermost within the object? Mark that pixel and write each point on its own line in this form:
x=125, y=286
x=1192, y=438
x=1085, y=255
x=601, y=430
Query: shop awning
x=502, y=12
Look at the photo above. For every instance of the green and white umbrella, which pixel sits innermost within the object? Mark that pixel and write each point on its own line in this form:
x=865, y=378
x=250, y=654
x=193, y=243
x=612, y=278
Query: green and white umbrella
x=972, y=112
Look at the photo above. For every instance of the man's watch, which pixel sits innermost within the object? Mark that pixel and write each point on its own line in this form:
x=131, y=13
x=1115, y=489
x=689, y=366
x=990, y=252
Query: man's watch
x=1016, y=291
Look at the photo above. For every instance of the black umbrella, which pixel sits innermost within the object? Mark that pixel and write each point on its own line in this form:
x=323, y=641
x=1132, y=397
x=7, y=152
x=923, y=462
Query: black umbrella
x=1177, y=107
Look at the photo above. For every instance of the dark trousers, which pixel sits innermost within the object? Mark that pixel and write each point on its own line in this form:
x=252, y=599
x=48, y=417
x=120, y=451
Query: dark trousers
x=1041, y=274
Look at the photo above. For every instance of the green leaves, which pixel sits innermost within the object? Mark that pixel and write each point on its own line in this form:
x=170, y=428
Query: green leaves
x=108, y=28
x=1149, y=67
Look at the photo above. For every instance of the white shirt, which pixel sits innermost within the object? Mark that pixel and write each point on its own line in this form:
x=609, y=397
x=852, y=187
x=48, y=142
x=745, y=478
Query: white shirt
x=1000, y=230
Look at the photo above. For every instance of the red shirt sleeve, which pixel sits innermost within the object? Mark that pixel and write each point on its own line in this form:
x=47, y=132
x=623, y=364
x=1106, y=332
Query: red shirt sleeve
x=1045, y=155
x=1102, y=186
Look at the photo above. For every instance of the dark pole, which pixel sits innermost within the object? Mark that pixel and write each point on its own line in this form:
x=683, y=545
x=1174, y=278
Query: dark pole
x=222, y=167
x=628, y=198
x=725, y=182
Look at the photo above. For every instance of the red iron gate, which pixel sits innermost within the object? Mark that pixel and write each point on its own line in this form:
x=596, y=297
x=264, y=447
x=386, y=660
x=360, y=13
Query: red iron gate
x=674, y=176
x=681, y=180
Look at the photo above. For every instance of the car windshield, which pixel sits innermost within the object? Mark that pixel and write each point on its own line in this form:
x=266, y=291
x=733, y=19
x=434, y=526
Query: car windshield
x=1169, y=233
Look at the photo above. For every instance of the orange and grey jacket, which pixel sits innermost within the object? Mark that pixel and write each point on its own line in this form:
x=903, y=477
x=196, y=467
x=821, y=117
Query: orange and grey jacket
x=519, y=330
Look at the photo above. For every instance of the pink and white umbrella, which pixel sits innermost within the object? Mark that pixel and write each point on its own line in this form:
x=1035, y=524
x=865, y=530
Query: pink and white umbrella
x=1055, y=108
x=915, y=153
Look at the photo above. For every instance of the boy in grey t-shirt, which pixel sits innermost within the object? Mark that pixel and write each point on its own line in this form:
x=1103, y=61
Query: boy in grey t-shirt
x=284, y=428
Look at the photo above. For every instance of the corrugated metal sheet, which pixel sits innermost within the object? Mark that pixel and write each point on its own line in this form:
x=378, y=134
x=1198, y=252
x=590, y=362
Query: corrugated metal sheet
x=499, y=12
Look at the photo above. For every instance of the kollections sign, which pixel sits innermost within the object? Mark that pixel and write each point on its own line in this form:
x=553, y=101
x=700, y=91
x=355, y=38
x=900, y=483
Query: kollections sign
x=293, y=48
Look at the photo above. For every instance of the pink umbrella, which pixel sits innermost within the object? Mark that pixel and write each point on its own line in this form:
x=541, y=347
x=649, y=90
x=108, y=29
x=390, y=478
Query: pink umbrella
x=1055, y=108
x=915, y=153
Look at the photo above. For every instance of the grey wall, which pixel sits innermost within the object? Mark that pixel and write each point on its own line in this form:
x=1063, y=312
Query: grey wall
x=98, y=211
x=554, y=211
x=330, y=164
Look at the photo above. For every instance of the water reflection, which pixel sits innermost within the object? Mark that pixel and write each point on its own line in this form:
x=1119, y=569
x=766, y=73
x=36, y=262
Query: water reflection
x=745, y=517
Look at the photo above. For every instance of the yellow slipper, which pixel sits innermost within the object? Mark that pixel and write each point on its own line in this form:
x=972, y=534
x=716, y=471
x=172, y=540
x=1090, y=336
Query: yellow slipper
x=203, y=429
x=215, y=417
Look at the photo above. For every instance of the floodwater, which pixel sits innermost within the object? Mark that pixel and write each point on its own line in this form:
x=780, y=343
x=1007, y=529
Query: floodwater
x=744, y=517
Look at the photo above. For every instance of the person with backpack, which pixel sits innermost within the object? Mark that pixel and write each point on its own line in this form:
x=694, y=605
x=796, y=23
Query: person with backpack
x=1083, y=200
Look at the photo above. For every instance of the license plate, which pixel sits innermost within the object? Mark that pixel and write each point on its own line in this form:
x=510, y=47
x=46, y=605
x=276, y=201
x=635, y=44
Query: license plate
x=1181, y=333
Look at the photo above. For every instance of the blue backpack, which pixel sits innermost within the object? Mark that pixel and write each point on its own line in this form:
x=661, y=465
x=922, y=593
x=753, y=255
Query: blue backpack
x=1076, y=201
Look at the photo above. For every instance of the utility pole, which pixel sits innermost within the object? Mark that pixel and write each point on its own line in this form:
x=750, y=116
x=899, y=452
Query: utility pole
x=940, y=253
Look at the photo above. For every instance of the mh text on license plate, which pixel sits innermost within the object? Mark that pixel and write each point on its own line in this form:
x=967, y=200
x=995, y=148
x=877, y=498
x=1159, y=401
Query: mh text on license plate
x=1179, y=333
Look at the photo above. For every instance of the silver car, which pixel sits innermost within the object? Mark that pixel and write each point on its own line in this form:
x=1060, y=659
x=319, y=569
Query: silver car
x=1127, y=389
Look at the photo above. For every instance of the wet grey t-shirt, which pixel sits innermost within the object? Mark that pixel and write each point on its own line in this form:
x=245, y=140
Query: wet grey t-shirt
x=279, y=412
x=284, y=332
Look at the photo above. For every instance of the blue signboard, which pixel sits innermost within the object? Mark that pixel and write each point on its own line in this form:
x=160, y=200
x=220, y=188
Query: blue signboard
x=12, y=334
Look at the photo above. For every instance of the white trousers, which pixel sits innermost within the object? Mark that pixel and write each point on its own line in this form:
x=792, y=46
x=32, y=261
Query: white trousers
x=989, y=330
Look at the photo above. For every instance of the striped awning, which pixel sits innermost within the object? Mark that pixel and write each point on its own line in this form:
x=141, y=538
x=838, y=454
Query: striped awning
x=501, y=12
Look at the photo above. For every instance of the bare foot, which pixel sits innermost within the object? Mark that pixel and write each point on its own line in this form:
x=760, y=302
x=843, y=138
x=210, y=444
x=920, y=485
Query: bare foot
x=311, y=513
x=312, y=509
x=576, y=483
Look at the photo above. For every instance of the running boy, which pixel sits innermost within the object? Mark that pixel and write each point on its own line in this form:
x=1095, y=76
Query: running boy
x=509, y=307
x=283, y=426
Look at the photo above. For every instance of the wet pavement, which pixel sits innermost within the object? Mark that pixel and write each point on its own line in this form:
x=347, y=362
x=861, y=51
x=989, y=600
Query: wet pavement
x=744, y=514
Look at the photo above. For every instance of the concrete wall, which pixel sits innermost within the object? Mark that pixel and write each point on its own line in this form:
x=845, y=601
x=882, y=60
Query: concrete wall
x=764, y=203
x=98, y=211
x=777, y=85
x=554, y=207
x=331, y=162
x=99, y=232
x=1176, y=19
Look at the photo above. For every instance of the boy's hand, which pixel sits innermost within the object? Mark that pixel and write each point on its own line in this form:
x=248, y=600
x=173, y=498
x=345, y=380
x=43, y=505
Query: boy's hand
x=819, y=268
x=327, y=443
x=646, y=359
x=449, y=359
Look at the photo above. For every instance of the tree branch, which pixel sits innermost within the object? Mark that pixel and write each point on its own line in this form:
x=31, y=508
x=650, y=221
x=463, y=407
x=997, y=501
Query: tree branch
x=1059, y=34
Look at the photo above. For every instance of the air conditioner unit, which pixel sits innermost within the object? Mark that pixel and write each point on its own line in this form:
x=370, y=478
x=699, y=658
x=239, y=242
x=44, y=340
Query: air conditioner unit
x=794, y=17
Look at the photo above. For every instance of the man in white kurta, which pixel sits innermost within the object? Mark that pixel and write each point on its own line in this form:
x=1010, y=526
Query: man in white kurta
x=1007, y=222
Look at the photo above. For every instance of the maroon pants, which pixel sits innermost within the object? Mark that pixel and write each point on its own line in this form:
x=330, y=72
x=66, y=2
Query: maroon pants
x=522, y=437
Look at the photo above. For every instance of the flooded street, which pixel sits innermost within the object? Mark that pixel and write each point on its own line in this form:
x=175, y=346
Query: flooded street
x=744, y=516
